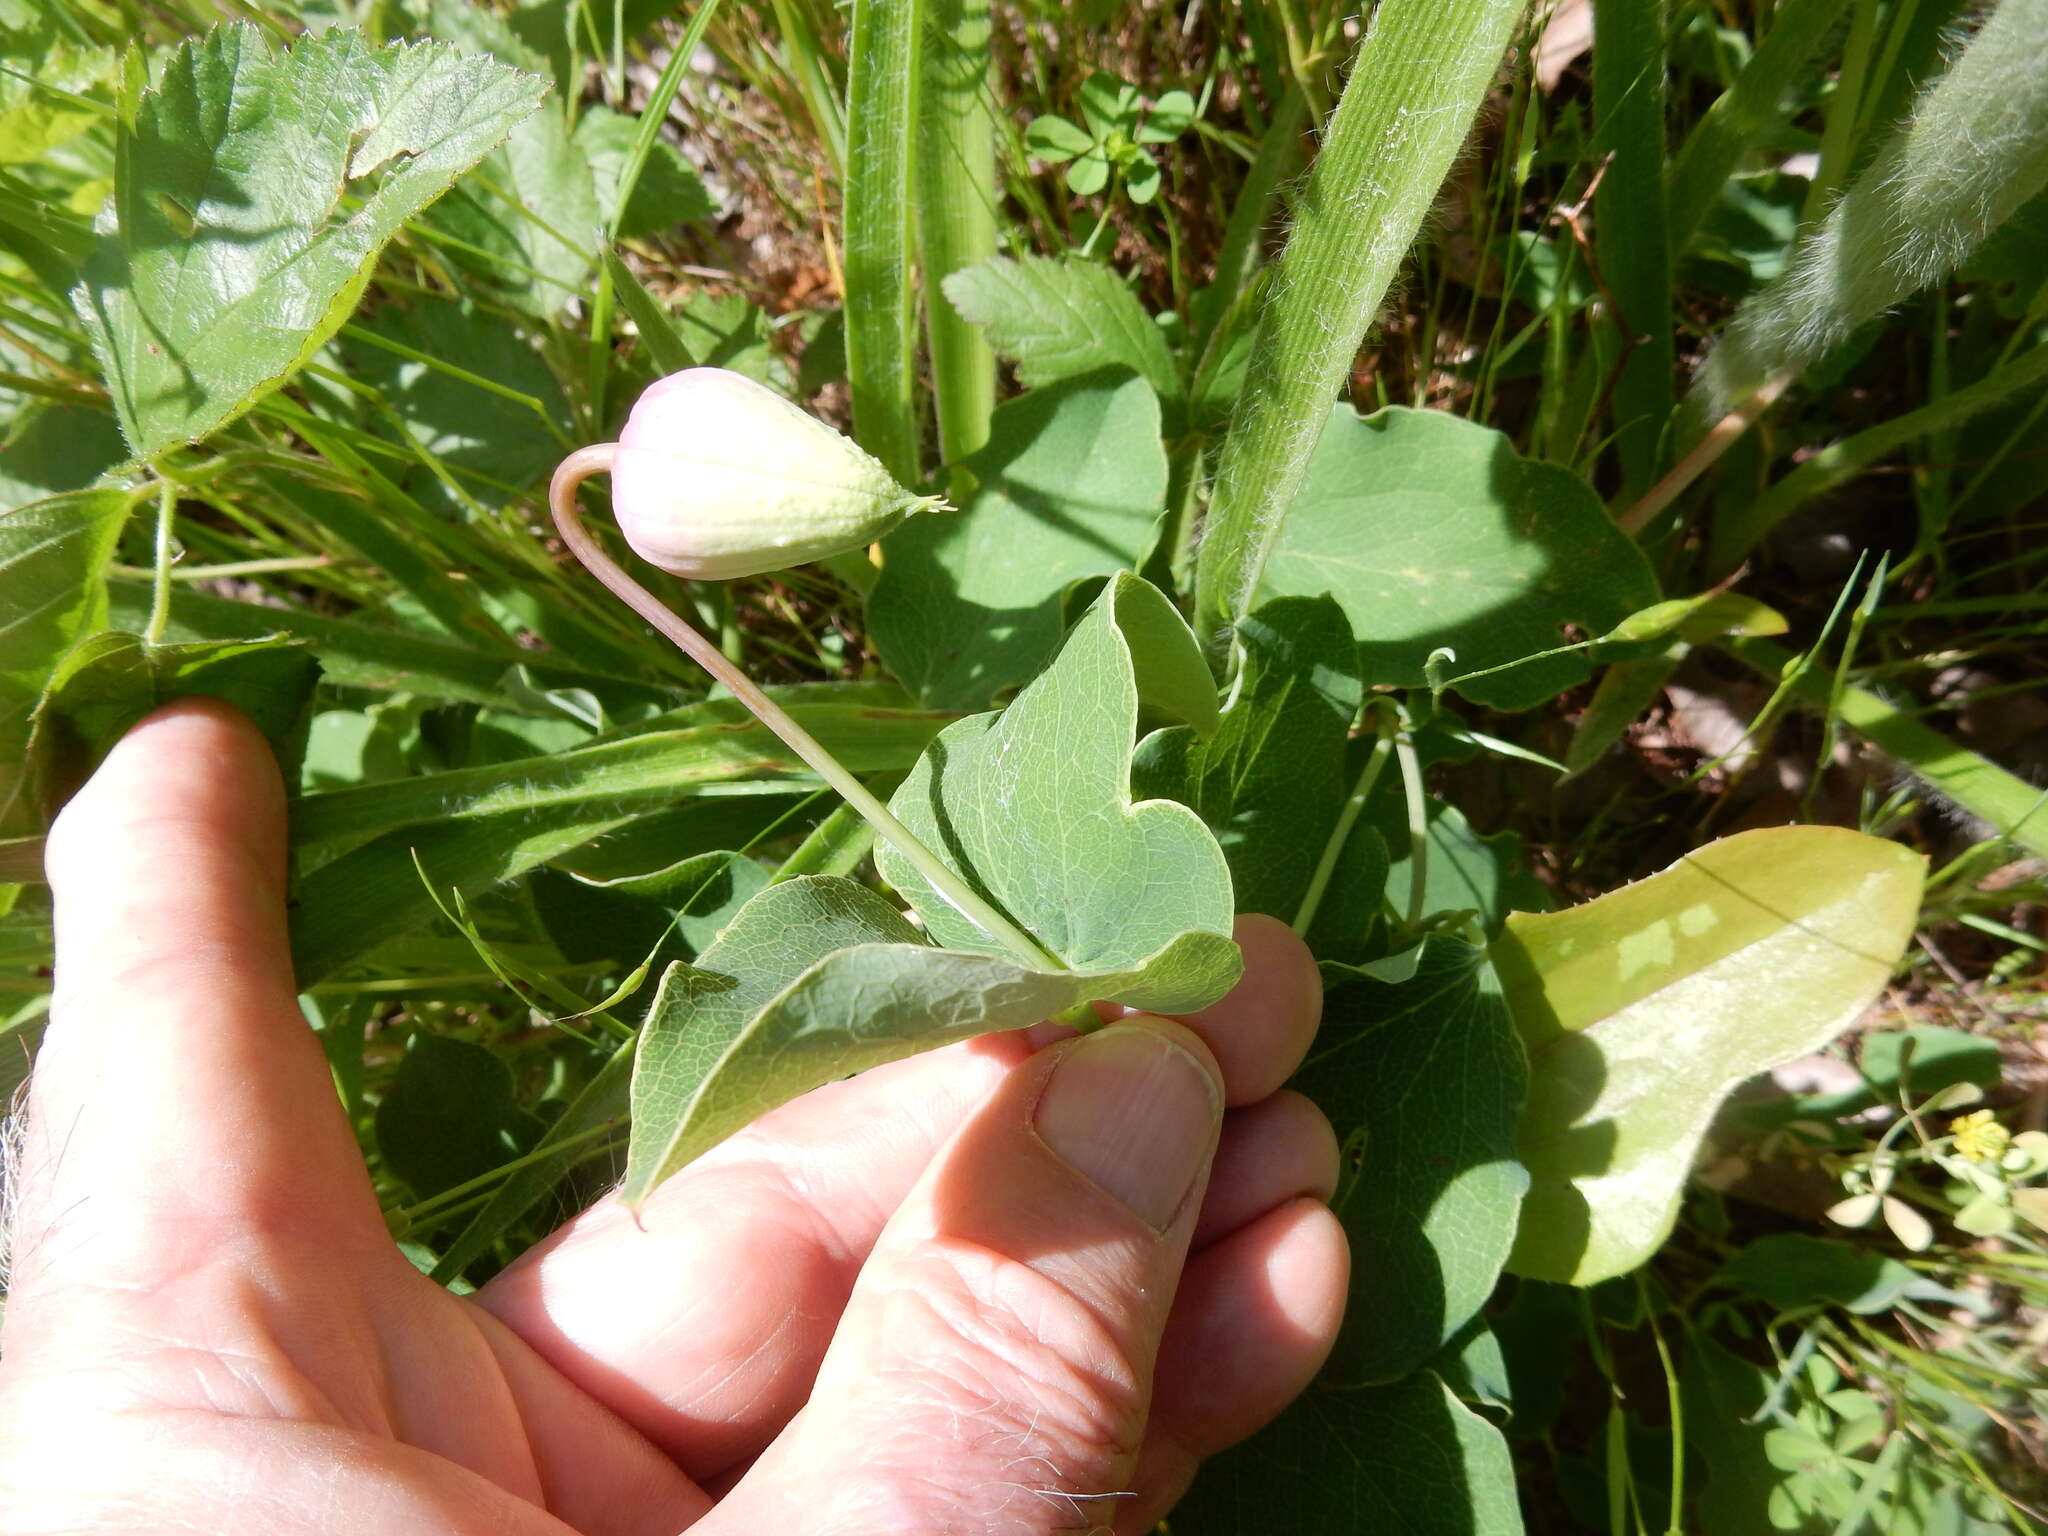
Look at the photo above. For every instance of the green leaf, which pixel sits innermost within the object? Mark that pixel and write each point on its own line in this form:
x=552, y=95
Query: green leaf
x=814, y=979
x=1423, y=1085
x=665, y=345
x=53, y=561
x=717, y=742
x=1273, y=779
x=1432, y=531
x=1070, y=486
x=1033, y=807
x=1407, y=1458
x=55, y=449
x=1643, y=1008
x=108, y=682
x=528, y=218
x=1053, y=139
x=1056, y=319
x=231, y=251
x=512, y=433
x=450, y=1115
x=1790, y=1269
x=668, y=192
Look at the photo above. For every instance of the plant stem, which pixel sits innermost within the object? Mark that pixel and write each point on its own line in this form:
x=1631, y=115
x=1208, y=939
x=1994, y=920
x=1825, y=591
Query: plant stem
x=1418, y=823
x=1340, y=834
x=1719, y=439
x=597, y=459
x=160, y=594
x=1419, y=78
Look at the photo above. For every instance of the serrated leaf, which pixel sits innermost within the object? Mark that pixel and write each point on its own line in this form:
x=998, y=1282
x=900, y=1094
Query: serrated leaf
x=1033, y=807
x=1643, y=1008
x=814, y=979
x=1407, y=1458
x=1272, y=780
x=1423, y=1084
x=1433, y=532
x=53, y=561
x=252, y=195
x=1059, y=318
x=1069, y=487
x=669, y=191
x=107, y=682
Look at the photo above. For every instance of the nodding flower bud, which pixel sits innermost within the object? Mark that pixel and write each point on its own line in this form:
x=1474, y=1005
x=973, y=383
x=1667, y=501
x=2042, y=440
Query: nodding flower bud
x=716, y=476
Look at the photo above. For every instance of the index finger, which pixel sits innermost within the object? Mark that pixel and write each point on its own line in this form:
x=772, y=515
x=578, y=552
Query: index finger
x=179, y=1098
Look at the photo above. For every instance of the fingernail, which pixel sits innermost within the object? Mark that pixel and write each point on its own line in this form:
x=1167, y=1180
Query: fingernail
x=1135, y=1113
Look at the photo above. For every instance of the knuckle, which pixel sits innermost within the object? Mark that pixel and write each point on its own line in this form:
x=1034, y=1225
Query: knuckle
x=1040, y=1410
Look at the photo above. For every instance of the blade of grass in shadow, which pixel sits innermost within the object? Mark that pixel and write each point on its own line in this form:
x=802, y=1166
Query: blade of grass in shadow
x=957, y=214
x=1416, y=83
x=1281, y=151
x=1745, y=112
x=1739, y=528
x=881, y=305
x=2017, y=809
x=1636, y=338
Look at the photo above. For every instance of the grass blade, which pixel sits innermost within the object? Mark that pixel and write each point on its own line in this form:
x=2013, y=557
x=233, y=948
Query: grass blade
x=1636, y=339
x=957, y=214
x=1745, y=112
x=1418, y=79
x=881, y=305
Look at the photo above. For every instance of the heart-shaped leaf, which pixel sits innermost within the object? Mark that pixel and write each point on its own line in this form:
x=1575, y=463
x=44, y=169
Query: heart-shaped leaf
x=1642, y=1008
x=1069, y=487
x=1033, y=806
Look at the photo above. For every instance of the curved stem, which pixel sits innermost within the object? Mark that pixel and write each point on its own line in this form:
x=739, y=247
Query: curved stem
x=597, y=459
x=1386, y=726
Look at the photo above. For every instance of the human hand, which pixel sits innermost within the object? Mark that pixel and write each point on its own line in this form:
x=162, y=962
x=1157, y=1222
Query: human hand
x=900, y=1303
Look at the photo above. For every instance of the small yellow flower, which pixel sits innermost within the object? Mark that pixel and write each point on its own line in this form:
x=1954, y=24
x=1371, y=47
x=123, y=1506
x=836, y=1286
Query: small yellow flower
x=1979, y=1136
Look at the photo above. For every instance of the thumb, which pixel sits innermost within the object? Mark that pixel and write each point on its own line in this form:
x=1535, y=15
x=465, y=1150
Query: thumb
x=992, y=1372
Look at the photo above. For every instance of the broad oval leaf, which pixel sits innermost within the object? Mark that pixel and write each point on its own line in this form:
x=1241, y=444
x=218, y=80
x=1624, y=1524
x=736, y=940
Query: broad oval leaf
x=1423, y=1085
x=1070, y=486
x=1642, y=1008
x=1433, y=532
x=1407, y=1458
x=816, y=978
x=1033, y=806
x=252, y=194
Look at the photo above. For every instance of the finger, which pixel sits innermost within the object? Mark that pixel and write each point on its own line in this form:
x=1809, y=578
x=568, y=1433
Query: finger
x=992, y=1371
x=179, y=1096
x=1256, y=1317
x=1273, y=1151
x=811, y=1184
x=1261, y=1029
